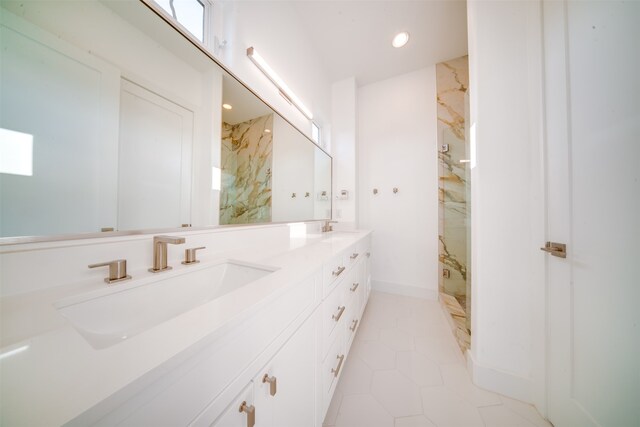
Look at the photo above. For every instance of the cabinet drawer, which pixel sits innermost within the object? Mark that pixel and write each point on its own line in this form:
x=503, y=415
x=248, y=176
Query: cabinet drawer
x=353, y=255
x=332, y=368
x=232, y=416
x=354, y=290
x=334, y=313
x=333, y=270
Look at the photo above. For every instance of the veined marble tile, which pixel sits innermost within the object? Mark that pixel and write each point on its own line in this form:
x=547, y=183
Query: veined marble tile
x=247, y=156
x=452, y=81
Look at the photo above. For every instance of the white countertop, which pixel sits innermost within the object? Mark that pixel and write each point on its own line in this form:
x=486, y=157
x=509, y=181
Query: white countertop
x=60, y=375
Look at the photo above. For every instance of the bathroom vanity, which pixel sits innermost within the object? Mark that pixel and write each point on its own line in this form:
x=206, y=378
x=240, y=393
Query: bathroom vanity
x=236, y=340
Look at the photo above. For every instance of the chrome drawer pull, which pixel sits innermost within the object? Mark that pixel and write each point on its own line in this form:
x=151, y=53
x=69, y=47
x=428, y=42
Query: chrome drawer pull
x=335, y=371
x=273, y=384
x=354, y=325
x=251, y=413
x=338, y=271
x=338, y=315
x=354, y=256
x=354, y=287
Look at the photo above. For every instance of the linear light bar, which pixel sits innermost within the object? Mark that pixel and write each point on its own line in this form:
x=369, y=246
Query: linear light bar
x=276, y=80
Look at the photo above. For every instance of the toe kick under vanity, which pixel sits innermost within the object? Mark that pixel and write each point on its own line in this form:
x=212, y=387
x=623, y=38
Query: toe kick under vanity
x=268, y=353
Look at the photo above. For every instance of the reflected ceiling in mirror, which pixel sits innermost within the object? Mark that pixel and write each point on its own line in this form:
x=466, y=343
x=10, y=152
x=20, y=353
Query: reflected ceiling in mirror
x=113, y=122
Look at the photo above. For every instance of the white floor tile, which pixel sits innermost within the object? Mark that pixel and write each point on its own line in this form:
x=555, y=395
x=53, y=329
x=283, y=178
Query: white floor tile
x=397, y=339
x=362, y=411
x=439, y=348
x=447, y=409
x=456, y=377
x=421, y=384
x=415, y=421
x=526, y=411
x=500, y=416
x=375, y=354
x=420, y=327
x=418, y=368
x=356, y=378
x=397, y=394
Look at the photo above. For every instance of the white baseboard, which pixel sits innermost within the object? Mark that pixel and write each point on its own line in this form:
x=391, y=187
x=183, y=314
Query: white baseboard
x=406, y=290
x=501, y=382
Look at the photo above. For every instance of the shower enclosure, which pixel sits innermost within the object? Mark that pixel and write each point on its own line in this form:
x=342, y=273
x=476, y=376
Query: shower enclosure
x=452, y=79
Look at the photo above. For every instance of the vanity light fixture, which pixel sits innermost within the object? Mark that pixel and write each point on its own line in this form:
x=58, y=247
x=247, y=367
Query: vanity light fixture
x=400, y=39
x=227, y=106
x=277, y=81
x=267, y=131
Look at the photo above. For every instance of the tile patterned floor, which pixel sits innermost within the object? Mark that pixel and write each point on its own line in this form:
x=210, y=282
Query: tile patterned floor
x=406, y=370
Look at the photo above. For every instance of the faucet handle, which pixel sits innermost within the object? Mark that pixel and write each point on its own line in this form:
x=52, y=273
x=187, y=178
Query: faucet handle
x=190, y=255
x=117, y=270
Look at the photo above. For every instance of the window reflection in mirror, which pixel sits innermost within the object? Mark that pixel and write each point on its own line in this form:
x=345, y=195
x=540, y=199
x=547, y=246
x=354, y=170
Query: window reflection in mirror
x=188, y=13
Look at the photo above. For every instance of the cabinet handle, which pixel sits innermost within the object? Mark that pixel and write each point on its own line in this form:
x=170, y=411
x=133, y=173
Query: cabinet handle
x=354, y=325
x=273, y=384
x=354, y=287
x=338, y=271
x=354, y=256
x=368, y=254
x=335, y=371
x=251, y=413
x=338, y=315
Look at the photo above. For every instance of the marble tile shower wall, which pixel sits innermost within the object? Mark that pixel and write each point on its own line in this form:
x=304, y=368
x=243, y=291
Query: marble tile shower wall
x=247, y=157
x=452, y=82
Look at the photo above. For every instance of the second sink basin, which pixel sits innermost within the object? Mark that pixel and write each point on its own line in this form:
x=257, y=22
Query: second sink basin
x=108, y=319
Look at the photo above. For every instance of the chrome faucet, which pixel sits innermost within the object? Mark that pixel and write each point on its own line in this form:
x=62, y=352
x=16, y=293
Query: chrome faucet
x=160, y=252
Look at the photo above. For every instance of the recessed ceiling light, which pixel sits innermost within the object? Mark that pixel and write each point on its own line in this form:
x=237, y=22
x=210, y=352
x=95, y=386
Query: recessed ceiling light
x=267, y=130
x=227, y=106
x=400, y=39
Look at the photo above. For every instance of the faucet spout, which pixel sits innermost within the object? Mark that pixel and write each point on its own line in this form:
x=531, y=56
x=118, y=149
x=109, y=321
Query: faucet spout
x=160, y=251
x=168, y=239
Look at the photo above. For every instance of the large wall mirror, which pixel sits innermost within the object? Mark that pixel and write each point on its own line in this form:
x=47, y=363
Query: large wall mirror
x=111, y=121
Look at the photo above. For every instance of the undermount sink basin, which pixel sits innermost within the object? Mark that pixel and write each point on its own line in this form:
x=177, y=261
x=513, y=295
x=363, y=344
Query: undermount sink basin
x=108, y=319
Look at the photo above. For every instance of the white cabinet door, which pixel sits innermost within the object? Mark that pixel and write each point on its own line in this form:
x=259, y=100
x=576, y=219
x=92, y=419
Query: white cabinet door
x=286, y=398
x=233, y=416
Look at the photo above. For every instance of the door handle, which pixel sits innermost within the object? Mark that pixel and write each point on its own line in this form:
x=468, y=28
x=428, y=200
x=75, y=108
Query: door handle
x=555, y=249
x=273, y=384
x=335, y=371
x=251, y=413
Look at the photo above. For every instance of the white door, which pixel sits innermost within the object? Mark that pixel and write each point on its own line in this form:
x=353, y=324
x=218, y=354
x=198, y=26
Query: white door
x=154, y=166
x=592, y=78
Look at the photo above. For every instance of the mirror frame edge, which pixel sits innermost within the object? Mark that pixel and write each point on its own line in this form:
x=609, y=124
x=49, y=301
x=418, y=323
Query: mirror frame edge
x=151, y=5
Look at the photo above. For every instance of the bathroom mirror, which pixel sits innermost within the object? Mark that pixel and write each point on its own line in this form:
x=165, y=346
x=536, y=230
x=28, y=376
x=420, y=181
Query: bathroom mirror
x=111, y=122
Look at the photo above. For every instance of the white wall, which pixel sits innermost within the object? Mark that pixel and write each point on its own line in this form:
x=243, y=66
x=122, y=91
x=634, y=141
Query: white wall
x=507, y=200
x=397, y=147
x=343, y=148
x=274, y=30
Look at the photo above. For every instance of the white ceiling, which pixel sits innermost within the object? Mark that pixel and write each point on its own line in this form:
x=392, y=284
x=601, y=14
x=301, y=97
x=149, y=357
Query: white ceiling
x=246, y=105
x=353, y=37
